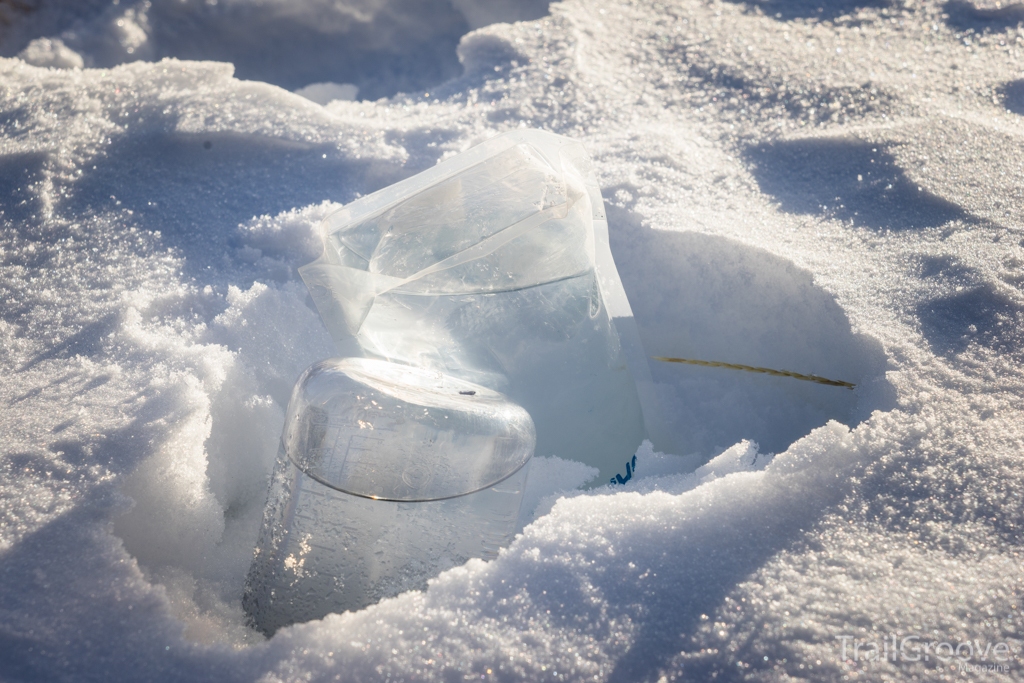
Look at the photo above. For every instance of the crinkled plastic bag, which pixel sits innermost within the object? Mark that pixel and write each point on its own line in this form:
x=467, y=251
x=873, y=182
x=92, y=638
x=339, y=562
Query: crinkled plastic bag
x=494, y=267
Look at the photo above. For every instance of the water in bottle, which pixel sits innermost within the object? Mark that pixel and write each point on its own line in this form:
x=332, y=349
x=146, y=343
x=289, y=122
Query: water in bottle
x=387, y=475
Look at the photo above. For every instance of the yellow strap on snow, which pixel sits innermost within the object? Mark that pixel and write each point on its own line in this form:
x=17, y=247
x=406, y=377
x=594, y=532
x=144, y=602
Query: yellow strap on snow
x=765, y=371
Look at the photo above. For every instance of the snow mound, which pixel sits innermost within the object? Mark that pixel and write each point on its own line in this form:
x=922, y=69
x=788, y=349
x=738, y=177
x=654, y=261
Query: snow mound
x=378, y=46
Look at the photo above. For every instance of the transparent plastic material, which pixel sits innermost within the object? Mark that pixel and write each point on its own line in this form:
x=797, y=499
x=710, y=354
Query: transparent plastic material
x=494, y=267
x=386, y=476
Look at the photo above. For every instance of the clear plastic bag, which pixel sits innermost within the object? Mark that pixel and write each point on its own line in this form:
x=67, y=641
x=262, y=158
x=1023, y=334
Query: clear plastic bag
x=494, y=267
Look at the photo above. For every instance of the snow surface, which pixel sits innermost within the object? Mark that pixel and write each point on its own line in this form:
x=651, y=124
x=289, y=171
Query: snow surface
x=831, y=188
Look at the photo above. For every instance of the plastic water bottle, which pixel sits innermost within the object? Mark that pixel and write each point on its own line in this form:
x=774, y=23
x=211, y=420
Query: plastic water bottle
x=387, y=475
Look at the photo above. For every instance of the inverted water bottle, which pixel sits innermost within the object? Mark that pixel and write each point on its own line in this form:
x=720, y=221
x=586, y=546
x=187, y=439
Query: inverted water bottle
x=387, y=475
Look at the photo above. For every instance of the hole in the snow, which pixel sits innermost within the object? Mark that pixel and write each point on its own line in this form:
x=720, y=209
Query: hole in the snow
x=200, y=490
x=711, y=298
x=344, y=49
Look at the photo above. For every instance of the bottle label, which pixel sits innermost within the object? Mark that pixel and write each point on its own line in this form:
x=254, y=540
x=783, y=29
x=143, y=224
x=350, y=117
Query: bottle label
x=630, y=468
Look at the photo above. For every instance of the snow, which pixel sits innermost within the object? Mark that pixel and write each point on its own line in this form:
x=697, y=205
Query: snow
x=829, y=189
x=325, y=93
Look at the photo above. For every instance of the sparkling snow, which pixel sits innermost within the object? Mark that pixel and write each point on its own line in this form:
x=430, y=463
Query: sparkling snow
x=830, y=188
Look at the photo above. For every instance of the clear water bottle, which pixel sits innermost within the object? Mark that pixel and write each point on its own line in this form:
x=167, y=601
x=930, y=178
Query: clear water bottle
x=387, y=475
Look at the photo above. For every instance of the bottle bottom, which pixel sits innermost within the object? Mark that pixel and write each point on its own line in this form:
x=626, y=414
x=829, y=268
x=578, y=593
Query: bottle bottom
x=322, y=551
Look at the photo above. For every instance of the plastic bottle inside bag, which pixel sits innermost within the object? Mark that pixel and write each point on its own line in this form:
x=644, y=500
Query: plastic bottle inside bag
x=494, y=267
x=387, y=475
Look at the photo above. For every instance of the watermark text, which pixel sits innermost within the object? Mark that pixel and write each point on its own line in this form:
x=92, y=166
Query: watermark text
x=971, y=656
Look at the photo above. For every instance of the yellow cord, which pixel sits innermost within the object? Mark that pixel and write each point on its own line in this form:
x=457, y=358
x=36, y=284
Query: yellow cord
x=766, y=371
